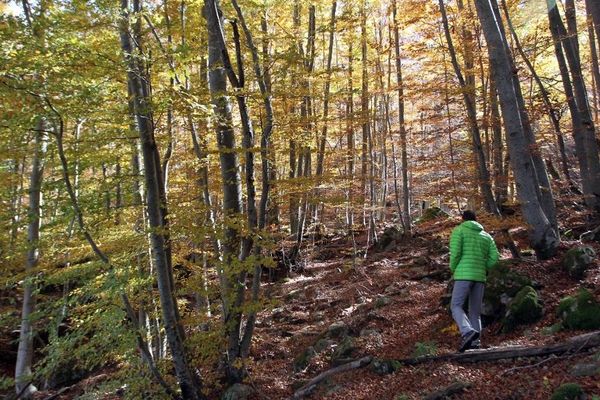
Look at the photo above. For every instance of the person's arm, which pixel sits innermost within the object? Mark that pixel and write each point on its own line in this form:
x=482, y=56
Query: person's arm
x=493, y=255
x=455, y=248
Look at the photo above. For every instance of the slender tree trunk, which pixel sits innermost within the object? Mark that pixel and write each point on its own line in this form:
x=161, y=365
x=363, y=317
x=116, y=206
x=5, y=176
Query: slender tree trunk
x=156, y=209
x=590, y=147
x=593, y=8
x=594, y=59
x=350, y=140
x=364, y=104
x=264, y=146
x=550, y=109
x=500, y=174
x=25, y=349
x=16, y=202
x=323, y=138
x=543, y=238
x=402, y=126
x=468, y=98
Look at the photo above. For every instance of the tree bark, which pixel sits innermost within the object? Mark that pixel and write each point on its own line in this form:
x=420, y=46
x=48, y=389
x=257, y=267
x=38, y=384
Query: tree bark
x=364, y=102
x=589, y=145
x=550, y=109
x=25, y=348
x=469, y=101
x=156, y=210
x=544, y=239
x=266, y=170
x=594, y=58
x=323, y=138
x=402, y=125
x=544, y=190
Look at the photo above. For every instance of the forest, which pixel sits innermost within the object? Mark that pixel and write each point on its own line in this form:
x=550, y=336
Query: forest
x=254, y=199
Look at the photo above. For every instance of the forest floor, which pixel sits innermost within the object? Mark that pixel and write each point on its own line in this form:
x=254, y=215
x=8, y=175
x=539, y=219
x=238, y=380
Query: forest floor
x=410, y=320
x=390, y=304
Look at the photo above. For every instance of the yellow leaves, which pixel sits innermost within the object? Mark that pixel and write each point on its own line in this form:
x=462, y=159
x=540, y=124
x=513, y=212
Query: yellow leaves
x=450, y=329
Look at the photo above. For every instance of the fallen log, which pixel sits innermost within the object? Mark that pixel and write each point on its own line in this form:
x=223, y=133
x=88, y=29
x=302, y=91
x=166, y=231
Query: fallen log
x=312, y=384
x=573, y=345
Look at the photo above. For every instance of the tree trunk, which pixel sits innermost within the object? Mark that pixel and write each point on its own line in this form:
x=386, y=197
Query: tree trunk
x=350, y=141
x=550, y=109
x=156, y=210
x=594, y=58
x=402, y=126
x=593, y=9
x=468, y=98
x=323, y=139
x=544, y=189
x=544, y=239
x=266, y=171
x=25, y=349
x=500, y=174
x=570, y=46
x=364, y=103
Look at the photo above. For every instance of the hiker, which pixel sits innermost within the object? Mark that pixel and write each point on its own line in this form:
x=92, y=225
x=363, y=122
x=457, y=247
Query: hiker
x=472, y=253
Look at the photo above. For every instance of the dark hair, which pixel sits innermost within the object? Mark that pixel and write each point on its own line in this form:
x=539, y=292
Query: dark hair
x=469, y=215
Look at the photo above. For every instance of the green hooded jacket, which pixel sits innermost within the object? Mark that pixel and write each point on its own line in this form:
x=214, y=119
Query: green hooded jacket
x=472, y=252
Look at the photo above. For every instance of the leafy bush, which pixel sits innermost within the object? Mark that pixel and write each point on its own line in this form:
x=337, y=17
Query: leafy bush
x=425, y=349
x=568, y=391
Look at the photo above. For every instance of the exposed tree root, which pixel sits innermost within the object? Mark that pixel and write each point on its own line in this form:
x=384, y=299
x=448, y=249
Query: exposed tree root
x=312, y=384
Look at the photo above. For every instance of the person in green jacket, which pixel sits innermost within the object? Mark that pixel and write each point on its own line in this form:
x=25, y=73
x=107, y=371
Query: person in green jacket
x=472, y=253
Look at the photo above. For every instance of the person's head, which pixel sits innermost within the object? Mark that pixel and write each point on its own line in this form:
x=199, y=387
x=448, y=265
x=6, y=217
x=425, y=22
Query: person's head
x=469, y=215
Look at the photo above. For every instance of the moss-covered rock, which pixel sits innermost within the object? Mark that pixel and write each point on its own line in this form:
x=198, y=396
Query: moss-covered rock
x=524, y=308
x=432, y=213
x=304, y=358
x=502, y=286
x=382, y=301
x=568, y=391
x=577, y=260
x=581, y=311
x=238, y=392
x=344, y=349
x=384, y=367
x=388, y=239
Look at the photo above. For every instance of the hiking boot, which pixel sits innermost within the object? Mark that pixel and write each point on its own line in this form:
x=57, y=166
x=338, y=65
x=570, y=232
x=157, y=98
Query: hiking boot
x=467, y=340
x=476, y=345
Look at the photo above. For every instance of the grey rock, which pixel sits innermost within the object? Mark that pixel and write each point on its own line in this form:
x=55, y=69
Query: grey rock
x=587, y=369
x=238, y=392
x=337, y=330
x=382, y=301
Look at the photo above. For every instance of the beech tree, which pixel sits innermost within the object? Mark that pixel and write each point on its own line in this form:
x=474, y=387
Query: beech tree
x=544, y=238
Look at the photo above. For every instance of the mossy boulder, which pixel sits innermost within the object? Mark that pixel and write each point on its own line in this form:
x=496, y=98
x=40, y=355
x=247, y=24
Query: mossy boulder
x=524, y=308
x=238, y=391
x=388, y=239
x=578, y=260
x=502, y=286
x=304, y=358
x=568, y=391
x=344, y=349
x=384, y=367
x=581, y=311
x=432, y=213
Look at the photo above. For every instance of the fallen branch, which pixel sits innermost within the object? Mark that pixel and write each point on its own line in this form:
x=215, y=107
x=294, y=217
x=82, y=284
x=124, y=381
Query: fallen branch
x=545, y=360
x=575, y=344
x=312, y=384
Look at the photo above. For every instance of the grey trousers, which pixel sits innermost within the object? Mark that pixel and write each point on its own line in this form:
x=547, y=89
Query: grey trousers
x=473, y=291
